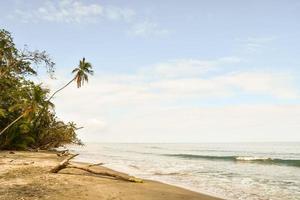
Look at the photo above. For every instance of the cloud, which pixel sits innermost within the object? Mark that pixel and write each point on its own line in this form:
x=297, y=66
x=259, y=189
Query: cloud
x=133, y=103
x=188, y=67
x=147, y=28
x=242, y=123
x=94, y=124
x=78, y=12
x=184, y=78
x=64, y=11
x=256, y=44
x=275, y=85
x=75, y=12
x=116, y=13
x=278, y=85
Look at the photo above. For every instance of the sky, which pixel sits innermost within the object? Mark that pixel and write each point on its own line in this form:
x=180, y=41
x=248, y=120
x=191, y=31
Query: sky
x=170, y=71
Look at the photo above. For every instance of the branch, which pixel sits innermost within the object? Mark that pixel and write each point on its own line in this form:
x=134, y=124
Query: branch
x=63, y=164
x=91, y=165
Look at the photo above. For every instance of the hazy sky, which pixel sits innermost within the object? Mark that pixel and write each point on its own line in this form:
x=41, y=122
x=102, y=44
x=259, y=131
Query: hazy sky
x=170, y=71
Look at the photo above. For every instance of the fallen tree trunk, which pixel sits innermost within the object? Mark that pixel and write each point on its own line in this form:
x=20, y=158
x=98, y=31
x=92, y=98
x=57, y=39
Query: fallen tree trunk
x=106, y=173
x=65, y=164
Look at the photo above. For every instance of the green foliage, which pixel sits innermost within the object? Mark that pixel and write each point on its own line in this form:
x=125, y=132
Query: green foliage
x=27, y=116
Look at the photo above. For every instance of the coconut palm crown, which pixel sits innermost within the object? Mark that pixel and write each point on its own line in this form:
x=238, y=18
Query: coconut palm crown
x=82, y=71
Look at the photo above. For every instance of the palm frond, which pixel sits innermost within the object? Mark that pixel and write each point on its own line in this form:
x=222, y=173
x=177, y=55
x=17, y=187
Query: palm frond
x=75, y=70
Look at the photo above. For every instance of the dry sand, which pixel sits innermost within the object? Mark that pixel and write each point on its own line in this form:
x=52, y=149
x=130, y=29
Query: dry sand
x=25, y=176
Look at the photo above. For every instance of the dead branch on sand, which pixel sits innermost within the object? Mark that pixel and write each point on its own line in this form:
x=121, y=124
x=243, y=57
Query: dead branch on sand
x=65, y=164
x=97, y=164
x=63, y=153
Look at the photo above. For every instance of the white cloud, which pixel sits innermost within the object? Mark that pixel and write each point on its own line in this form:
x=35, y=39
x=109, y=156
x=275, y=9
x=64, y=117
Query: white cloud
x=262, y=83
x=74, y=11
x=94, y=124
x=116, y=13
x=67, y=11
x=155, y=85
x=144, y=105
x=187, y=67
x=212, y=124
x=77, y=11
x=273, y=85
x=256, y=44
x=147, y=28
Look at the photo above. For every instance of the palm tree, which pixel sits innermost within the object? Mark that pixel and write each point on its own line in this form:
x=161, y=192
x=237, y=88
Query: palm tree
x=81, y=75
x=82, y=71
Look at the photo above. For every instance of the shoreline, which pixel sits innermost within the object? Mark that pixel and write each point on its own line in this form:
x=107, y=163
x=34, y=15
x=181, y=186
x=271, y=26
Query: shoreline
x=25, y=175
x=160, y=181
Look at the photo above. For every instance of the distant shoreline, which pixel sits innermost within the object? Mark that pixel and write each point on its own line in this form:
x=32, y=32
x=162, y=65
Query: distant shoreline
x=26, y=175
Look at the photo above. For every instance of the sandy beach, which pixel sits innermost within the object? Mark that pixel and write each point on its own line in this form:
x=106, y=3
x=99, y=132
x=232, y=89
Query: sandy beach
x=26, y=176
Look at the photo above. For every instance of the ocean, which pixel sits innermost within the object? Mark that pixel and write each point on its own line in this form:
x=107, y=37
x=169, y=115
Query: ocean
x=256, y=171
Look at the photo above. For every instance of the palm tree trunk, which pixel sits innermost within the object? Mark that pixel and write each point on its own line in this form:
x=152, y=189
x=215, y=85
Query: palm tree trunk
x=44, y=108
x=12, y=123
x=61, y=89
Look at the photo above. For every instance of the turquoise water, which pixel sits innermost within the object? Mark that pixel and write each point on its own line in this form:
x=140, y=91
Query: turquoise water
x=233, y=171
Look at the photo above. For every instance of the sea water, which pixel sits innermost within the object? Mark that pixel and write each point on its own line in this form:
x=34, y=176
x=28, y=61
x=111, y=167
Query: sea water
x=253, y=171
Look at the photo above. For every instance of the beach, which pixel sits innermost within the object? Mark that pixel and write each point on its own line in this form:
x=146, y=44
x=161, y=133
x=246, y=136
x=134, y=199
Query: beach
x=149, y=100
x=26, y=176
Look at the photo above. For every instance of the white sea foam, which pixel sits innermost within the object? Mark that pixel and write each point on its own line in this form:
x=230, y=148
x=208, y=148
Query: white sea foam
x=251, y=158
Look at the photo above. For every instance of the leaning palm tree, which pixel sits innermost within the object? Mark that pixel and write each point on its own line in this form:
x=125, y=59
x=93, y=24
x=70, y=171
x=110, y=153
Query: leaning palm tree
x=81, y=75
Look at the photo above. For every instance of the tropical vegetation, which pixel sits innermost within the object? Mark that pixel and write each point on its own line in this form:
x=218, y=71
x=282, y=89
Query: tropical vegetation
x=27, y=116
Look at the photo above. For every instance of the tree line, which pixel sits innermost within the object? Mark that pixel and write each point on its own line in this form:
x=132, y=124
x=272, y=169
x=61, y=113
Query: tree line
x=27, y=114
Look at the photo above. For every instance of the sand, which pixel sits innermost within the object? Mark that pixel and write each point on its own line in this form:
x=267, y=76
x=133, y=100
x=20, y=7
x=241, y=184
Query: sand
x=25, y=176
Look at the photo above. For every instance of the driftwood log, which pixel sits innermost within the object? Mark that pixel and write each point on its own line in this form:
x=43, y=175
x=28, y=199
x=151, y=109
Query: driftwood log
x=65, y=164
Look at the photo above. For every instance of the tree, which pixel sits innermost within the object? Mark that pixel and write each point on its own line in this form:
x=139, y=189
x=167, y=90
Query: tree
x=32, y=104
x=14, y=64
x=82, y=71
x=20, y=62
x=81, y=75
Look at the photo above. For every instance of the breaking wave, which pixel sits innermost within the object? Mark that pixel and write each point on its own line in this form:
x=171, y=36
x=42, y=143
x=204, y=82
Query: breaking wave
x=249, y=159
